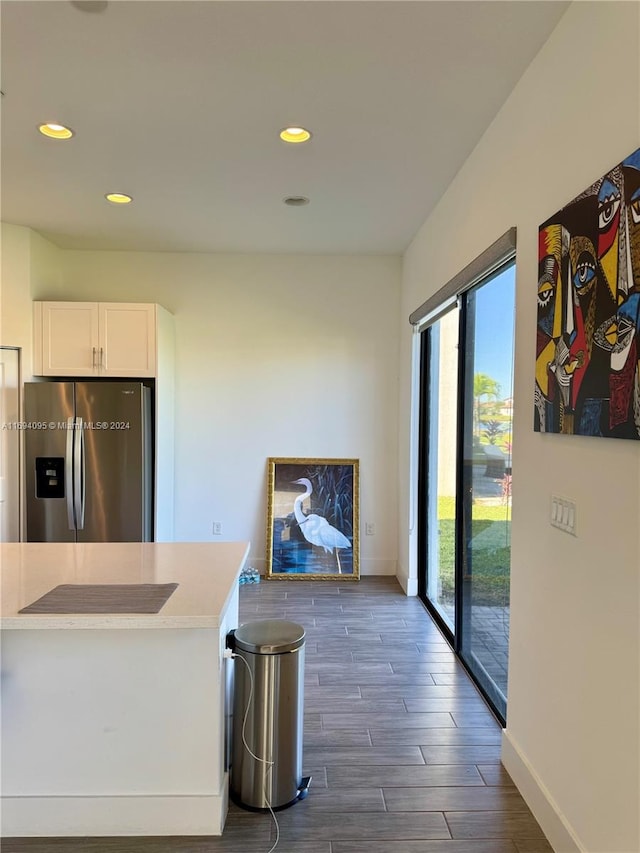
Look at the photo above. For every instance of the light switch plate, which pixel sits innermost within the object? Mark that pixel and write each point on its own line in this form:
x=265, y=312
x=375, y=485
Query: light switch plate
x=563, y=514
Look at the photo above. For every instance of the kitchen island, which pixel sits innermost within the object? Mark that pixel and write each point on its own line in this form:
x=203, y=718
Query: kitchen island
x=114, y=723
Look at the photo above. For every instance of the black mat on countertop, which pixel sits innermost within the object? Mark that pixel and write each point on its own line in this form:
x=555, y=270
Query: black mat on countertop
x=103, y=598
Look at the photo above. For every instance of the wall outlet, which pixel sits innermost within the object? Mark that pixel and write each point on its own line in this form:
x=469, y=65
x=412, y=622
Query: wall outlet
x=217, y=528
x=563, y=514
x=370, y=528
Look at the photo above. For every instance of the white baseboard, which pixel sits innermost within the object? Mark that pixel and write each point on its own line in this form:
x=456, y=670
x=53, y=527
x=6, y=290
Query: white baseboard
x=371, y=566
x=101, y=816
x=409, y=585
x=555, y=825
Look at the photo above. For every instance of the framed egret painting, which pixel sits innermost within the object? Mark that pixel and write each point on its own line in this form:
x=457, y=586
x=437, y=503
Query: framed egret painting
x=312, y=519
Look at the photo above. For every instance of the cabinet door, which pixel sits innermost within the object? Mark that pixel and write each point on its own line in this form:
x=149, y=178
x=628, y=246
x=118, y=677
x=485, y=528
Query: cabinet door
x=70, y=344
x=127, y=339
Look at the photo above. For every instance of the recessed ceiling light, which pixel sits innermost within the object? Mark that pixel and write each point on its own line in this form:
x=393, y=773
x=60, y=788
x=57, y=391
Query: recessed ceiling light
x=295, y=134
x=118, y=198
x=296, y=200
x=55, y=131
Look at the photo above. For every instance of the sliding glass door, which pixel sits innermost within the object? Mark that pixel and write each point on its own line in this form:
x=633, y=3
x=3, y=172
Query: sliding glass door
x=440, y=413
x=465, y=477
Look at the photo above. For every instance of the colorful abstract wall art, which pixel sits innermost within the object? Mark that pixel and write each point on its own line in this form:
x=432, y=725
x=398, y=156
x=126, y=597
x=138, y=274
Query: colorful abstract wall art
x=588, y=336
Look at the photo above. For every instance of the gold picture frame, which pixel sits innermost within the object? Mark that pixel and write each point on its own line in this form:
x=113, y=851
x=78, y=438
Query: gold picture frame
x=313, y=519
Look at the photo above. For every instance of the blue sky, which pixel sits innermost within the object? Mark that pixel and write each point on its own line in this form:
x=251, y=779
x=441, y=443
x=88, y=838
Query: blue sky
x=495, y=313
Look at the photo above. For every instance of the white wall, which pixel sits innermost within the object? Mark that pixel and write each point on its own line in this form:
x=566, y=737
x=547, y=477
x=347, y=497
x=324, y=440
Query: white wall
x=573, y=715
x=26, y=257
x=276, y=356
x=15, y=290
x=28, y=260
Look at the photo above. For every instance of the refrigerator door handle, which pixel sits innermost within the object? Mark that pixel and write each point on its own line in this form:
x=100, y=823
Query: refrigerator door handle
x=78, y=474
x=68, y=474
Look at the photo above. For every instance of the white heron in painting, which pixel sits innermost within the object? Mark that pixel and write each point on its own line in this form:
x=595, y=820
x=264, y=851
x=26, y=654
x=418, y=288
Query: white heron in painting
x=317, y=529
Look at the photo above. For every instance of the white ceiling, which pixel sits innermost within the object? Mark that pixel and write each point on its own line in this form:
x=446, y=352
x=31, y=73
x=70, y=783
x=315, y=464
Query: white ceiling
x=179, y=103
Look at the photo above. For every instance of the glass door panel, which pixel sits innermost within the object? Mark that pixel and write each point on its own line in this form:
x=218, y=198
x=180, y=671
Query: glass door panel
x=442, y=406
x=486, y=512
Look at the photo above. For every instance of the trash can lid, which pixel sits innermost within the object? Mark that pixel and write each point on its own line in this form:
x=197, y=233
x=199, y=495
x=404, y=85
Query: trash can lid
x=269, y=636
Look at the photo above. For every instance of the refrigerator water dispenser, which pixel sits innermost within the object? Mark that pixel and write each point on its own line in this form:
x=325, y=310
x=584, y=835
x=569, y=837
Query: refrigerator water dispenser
x=49, y=477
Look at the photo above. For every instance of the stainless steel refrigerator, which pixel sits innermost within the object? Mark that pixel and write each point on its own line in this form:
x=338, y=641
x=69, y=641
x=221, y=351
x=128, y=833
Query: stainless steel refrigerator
x=88, y=457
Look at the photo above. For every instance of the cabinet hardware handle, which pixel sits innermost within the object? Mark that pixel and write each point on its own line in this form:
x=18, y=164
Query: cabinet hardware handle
x=93, y=360
x=101, y=357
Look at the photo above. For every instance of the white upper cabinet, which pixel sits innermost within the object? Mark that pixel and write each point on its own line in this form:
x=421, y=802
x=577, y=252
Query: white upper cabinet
x=95, y=339
x=127, y=339
x=68, y=333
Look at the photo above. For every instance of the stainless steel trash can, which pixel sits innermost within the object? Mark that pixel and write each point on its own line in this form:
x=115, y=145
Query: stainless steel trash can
x=269, y=690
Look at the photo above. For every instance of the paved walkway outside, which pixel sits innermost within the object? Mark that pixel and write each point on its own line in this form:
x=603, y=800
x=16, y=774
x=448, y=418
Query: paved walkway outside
x=489, y=640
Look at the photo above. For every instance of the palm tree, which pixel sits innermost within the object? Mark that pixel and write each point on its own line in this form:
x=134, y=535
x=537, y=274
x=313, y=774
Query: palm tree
x=493, y=430
x=483, y=386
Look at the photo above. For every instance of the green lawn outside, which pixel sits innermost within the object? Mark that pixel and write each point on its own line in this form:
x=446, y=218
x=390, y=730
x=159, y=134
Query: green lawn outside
x=488, y=552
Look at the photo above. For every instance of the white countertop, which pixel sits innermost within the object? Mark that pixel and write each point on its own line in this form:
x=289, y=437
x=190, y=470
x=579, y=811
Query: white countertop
x=206, y=574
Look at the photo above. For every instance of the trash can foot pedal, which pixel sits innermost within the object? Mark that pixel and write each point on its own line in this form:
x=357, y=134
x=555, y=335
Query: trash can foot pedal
x=303, y=790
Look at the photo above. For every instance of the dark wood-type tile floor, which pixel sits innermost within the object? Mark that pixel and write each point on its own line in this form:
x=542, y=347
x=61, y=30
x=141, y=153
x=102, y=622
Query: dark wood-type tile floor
x=404, y=754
